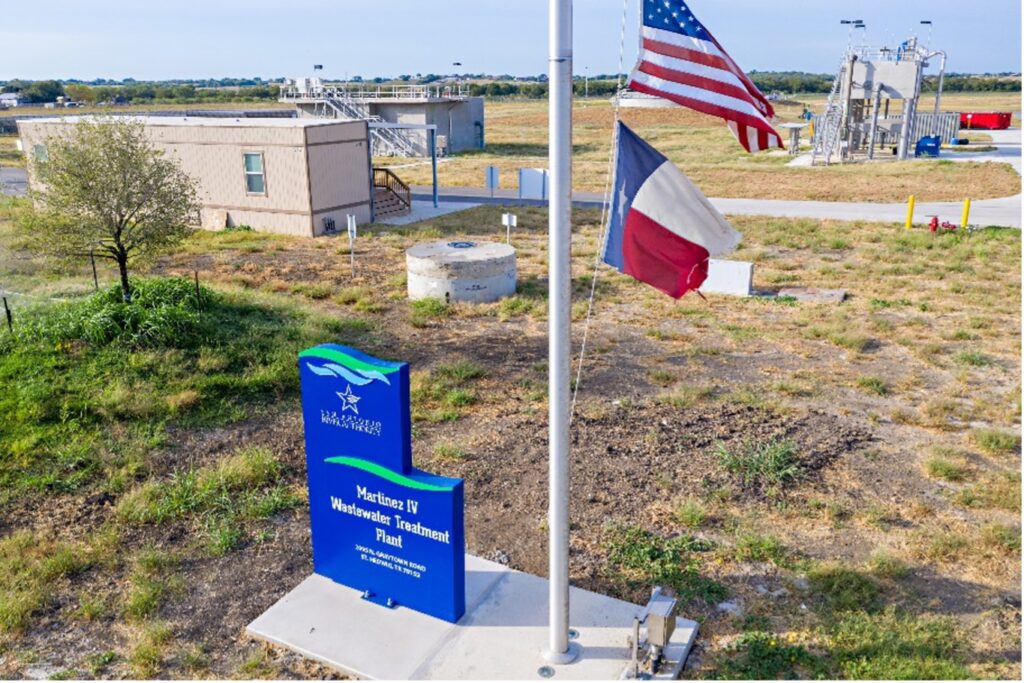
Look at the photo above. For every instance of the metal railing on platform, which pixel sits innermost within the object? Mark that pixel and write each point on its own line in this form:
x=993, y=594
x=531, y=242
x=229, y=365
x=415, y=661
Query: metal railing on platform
x=385, y=92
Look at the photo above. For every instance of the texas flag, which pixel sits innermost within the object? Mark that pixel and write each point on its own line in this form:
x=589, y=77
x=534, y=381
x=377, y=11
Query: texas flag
x=662, y=230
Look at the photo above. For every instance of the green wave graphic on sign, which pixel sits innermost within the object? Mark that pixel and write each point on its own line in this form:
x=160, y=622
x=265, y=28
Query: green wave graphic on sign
x=385, y=473
x=346, y=360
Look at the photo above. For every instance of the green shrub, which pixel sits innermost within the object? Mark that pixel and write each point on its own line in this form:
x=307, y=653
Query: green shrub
x=164, y=312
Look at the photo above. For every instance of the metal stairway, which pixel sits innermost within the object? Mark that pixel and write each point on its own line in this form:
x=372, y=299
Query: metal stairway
x=386, y=142
x=828, y=125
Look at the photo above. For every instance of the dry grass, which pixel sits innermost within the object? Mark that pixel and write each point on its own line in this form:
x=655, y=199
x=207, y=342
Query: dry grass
x=706, y=151
x=938, y=489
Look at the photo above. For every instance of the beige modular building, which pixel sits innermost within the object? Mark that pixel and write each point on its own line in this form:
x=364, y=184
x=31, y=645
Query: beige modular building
x=293, y=176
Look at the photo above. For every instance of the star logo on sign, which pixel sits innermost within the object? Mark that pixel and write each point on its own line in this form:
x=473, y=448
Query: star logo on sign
x=348, y=400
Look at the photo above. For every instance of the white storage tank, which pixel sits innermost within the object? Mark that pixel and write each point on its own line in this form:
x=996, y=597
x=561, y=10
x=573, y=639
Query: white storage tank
x=461, y=271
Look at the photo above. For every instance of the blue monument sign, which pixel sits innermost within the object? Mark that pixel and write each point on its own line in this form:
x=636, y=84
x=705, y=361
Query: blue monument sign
x=379, y=525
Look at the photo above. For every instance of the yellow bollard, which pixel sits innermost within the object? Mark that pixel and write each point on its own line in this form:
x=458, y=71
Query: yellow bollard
x=966, y=213
x=910, y=212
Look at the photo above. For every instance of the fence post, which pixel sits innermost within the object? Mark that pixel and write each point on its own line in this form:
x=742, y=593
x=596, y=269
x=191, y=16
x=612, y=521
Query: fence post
x=10, y=321
x=199, y=299
x=95, y=279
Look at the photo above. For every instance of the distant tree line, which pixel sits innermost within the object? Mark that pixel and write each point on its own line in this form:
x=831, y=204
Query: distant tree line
x=129, y=91
x=972, y=83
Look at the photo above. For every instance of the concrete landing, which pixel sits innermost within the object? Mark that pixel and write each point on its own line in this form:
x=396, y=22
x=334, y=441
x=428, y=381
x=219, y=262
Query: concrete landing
x=425, y=210
x=501, y=637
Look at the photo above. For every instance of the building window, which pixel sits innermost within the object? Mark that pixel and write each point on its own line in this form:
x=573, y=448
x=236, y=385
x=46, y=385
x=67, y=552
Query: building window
x=40, y=152
x=254, y=180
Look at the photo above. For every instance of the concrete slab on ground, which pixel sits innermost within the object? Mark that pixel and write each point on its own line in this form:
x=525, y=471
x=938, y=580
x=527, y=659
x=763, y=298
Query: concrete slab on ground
x=423, y=210
x=728, y=277
x=501, y=637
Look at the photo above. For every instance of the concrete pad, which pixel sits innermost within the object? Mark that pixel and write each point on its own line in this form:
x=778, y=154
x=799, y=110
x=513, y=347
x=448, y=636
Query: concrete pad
x=501, y=637
x=814, y=294
x=728, y=277
x=425, y=210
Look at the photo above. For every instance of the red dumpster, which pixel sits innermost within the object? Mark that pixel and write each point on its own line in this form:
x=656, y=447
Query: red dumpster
x=987, y=120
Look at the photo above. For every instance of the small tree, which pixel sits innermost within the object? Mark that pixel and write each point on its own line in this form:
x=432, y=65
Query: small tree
x=103, y=188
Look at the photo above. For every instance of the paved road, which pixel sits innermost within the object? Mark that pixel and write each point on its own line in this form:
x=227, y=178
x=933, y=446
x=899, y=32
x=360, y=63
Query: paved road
x=1005, y=211
x=13, y=182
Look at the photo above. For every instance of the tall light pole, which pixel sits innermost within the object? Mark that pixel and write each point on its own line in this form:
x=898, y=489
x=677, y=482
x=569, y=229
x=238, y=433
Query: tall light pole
x=864, y=35
x=849, y=33
x=558, y=650
x=586, y=82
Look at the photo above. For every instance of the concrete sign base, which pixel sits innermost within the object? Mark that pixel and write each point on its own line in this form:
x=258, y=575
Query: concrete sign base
x=728, y=277
x=501, y=636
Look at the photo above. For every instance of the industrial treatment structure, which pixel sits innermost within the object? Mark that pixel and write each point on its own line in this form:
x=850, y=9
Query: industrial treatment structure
x=398, y=115
x=874, y=105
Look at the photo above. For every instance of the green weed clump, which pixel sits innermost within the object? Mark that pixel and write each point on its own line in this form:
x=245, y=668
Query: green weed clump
x=842, y=589
x=875, y=385
x=760, y=656
x=894, y=646
x=438, y=395
x=942, y=468
x=218, y=499
x=997, y=492
x=423, y=311
x=754, y=547
x=163, y=312
x=761, y=465
x=86, y=399
x=996, y=441
x=639, y=558
x=30, y=567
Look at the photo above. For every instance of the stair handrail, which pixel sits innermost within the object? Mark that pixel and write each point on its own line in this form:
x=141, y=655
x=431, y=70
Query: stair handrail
x=385, y=179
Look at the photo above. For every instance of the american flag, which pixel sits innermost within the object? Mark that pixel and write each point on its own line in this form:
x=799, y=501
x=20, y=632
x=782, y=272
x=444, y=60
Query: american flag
x=682, y=62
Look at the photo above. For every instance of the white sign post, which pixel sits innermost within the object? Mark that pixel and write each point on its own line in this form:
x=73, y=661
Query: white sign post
x=352, y=242
x=509, y=221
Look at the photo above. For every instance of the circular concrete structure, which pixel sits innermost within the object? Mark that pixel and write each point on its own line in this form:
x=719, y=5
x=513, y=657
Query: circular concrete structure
x=460, y=270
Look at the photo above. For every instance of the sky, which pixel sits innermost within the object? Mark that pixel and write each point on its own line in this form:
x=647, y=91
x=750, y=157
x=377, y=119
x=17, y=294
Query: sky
x=163, y=39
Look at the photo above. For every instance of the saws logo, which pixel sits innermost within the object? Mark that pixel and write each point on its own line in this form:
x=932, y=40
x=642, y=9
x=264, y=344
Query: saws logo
x=349, y=399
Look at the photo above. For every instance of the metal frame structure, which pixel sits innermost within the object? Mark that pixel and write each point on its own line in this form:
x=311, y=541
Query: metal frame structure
x=852, y=124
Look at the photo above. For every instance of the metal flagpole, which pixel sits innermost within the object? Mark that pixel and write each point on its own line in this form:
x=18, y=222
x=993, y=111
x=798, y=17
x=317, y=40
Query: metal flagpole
x=559, y=237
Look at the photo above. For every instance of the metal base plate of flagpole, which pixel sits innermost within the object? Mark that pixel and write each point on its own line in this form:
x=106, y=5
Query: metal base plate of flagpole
x=503, y=634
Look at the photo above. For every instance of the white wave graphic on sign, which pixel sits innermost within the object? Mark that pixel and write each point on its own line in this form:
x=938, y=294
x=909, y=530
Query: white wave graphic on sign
x=358, y=377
